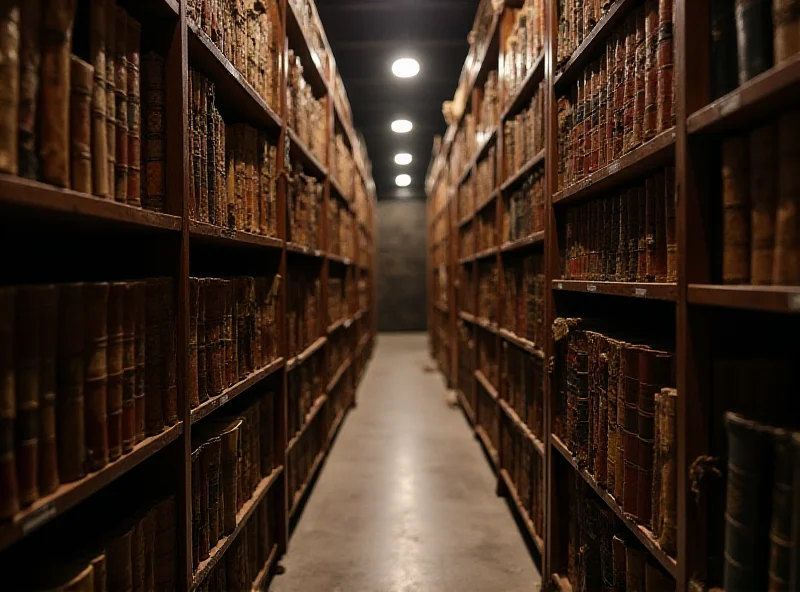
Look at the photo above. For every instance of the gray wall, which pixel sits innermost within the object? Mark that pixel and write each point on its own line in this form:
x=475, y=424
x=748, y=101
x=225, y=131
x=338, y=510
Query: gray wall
x=401, y=266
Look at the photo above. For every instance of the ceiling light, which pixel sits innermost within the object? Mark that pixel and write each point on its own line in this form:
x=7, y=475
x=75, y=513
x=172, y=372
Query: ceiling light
x=405, y=68
x=403, y=180
x=403, y=159
x=402, y=126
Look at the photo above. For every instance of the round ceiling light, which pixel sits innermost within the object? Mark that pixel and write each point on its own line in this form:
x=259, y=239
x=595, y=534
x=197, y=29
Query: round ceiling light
x=405, y=68
x=403, y=180
x=403, y=159
x=402, y=126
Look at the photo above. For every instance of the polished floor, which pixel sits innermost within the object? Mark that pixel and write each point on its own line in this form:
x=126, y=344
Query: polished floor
x=406, y=501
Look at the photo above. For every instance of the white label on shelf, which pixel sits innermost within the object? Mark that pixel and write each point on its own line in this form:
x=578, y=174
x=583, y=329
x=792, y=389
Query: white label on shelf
x=641, y=292
x=613, y=168
x=591, y=288
x=223, y=399
x=560, y=286
x=39, y=517
x=794, y=301
x=732, y=104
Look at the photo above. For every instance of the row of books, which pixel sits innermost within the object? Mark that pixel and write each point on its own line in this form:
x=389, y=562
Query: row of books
x=485, y=176
x=487, y=356
x=523, y=213
x=305, y=113
x=524, y=134
x=340, y=294
x=488, y=412
x=576, y=19
x=343, y=167
x=79, y=124
x=305, y=209
x=523, y=298
x=525, y=44
x=234, y=167
x=616, y=413
x=249, y=34
x=622, y=99
x=233, y=332
x=523, y=383
x=89, y=370
x=486, y=227
x=488, y=298
x=599, y=554
x=466, y=361
x=303, y=455
x=525, y=468
x=339, y=397
x=341, y=240
x=304, y=388
x=749, y=37
x=312, y=29
x=302, y=319
x=489, y=109
x=465, y=145
x=760, y=201
x=626, y=238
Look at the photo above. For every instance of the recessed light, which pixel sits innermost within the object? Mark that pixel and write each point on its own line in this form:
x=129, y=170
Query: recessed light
x=405, y=68
x=402, y=126
x=403, y=159
x=403, y=180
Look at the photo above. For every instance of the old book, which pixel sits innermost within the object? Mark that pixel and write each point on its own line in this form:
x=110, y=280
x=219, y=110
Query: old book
x=111, y=97
x=62, y=576
x=753, y=37
x=724, y=67
x=202, y=378
x=70, y=401
x=155, y=148
x=619, y=560
x=80, y=122
x=121, y=98
x=138, y=555
x=630, y=431
x=99, y=577
x=30, y=58
x=9, y=490
x=763, y=200
x=783, y=539
x=128, y=434
x=213, y=449
x=10, y=77
x=119, y=571
x=97, y=51
x=169, y=396
x=786, y=264
x=164, y=557
x=140, y=341
x=230, y=478
x=115, y=367
x=194, y=304
x=641, y=76
x=197, y=484
x=54, y=139
x=736, y=211
x=155, y=355
x=133, y=64
x=650, y=122
x=665, y=498
x=666, y=57
x=204, y=543
x=48, y=348
x=96, y=374
x=786, y=23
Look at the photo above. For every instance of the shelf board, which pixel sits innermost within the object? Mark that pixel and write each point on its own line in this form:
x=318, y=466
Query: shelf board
x=593, y=43
x=521, y=343
x=480, y=66
x=537, y=238
x=782, y=299
x=233, y=92
x=526, y=90
x=486, y=324
x=639, y=161
x=346, y=322
x=467, y=259
x=202, y=232
x=488, y=201
x=298, y=497
x=523, y=172
x=487, y=445
x=309, y=419
x=465, y=220
x=640, y=532
x=488, y=387
x=68, y=495
x=299, y=43
x=26, y=196
x=466, y=407
x=208, y=407
x=338, y=376
x=360, y=314
x=340, y=259
x=305, y=354
x=645, y=291
x=262, y=579
x=522, y=427
x=337, y=423
x=303, y=250
x=300, y=151
x=465, y=316
x=538, y=541
x=362, y=343
x=248, y=509
x=485, y=253
x=766, y=94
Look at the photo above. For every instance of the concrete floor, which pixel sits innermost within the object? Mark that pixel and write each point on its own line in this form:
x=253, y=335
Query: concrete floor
x=406, y=500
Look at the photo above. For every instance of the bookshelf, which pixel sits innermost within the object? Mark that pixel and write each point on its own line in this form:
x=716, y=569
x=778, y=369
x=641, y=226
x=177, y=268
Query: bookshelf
x=693, y=315
x=105, y=240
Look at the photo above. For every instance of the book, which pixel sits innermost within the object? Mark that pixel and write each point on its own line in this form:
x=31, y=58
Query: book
x=115, y=367
x=111, y=98
x=96, y=374
x=786, y=263
x=736, y=211
x=764, y=169
x=121, y=107
x=786, y=23
x=49, y=479
x=134, y=84
x=724, y=66
x=70, y=400
x=30, y=58
x=666, y=59
x=119, y=569
x=753, y=37
x=154, y=153
x=97, y=50
x=10, y=76
x=129, y=331
x=9, y=492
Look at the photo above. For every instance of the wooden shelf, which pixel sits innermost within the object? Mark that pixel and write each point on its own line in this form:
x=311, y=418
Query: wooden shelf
x=486, y=202
x=69, y=495
x=535, y=239
x=360, y=314
x=309, y=419
x=242, y=517
x=465, y=220
x=640, y=532
x=644, y=291
x=338, y=376
x=262, y=579
x=639, y=161
x=65, y=205
x=201, y=232
x=481, y=66
x=466, y=407
x=522, y=427
x=466, y=260
x=465, y=316
x=299, y=43
x=362, y=343
x=346, y=323
x=488, y=387
x=208, y=407
x=340, y=259
x=337, y=423
x=306, y=353
x=781, y=299
x=303, y=250
x=526, y=90
x=538, y=541
x=523, y=172
x=521, y=343
x=301, y=152
x=769, y=92
x=486, y=253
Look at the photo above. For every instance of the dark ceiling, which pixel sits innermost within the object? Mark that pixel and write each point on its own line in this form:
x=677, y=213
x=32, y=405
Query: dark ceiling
x=366, y=36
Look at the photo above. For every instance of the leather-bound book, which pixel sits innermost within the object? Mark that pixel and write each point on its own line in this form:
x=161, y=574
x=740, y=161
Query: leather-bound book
x=197, y=484
x=786, y=23
x=748, y=504
x=149, y=531
x=111, y=96
x=783, y=539
x=121, y=98
x=619, y=563
x=670, y=201
x=724, y=67
x=128, y=437
x=169, y=395
x=68, y=576
x=155, y=356
x=763, y=201
x=80, y=122
x=116, y=367
x=641, y=233
x=659, y=247
x=622, y=242
x=666, y=56
x=650, y=229
x=641, y=76
x=99, y=576
x=194, y=304
x=138, y=555
x=630, y=82
x=140, y=342
x=630, y=432
x=133, y=64
x=9, y=491
x=48, y=347
x=155, y=149
x=10, y=89
x=230, y=476
x=96, y=374
x=786, y=266
x=54, y=138
x=650, y=122
x=665, y=490
x=753, y=37
x=735, y=211
x=97, y=43
x=70, y=400
x=30, y=59
x=202, y=377
x=632, y=195
x=213, y=449
x=620, y=40
x=119, y=571
x=204, y=543
x=165, y=563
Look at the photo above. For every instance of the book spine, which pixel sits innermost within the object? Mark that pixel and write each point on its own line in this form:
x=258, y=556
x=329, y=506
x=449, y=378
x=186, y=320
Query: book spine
x=111, y=99
x=228, y=461
x=30, y=58
x=213, y=448
x=641, y=76
x=155, y=357
x=129, y=330
x=134, y=190
x=165, y=564
x=786, y=265
x=724, y=68
x=197, y=484
x=70, y=430
x=783, y=497
x=10, y=77
x=116, y=367
x=630, y=434
x=635, y=561
x=204, y=542
x=670, y=224
x=650, y=124
x=119, y=571
x=169, y=397
x=194, y=304
x=99, y=108
x=140, y=345
x=9, y=489
x=138, y=555
x=202, y=376
x=82, y=76
x=666, y=84
x=753, y=37
x=48, y=448
x=208, y=152
x=121, y=98
x=155, y=150
x=763, y=200
x=96, y=375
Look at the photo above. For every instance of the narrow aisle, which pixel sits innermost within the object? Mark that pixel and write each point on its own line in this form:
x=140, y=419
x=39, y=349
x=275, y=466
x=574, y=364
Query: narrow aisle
x=406, y=501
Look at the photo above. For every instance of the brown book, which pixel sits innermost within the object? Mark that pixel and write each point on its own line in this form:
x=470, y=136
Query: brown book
x=753, y=37
x=81, y=125
x=116, y=367
x=70, y=576
x=70, y=401
x=230, y=438
x=660, y=255
x=111, y=99
x=128, y=367
x=783, y=535
x=169, y=397
x=666, y=57
x=619, y=562
x=155, y=149
x=9, y=490
x=155, y=355
x=96, y=374
x=149, y=531
x=30, y=59
x=786, y=265
x=119, y=571
x=630, y=431
x=165, y=561
x=194, y=305
x=204, y=543
x=763, y=200
x=736, y=211
x=10, y=77
x=197, y=484
x=668, y=470
x=133, y=63
x=138, y=557
x=202, y=377
x=97, y=51
x=140, y=314
x=54, y=137
x=630, y=82
x=48, y=347
x=786, y=23
x=98, y=563
x=650, y=124
x=641, y=76
x=650, y=229
x=213, y=450
x=121, y=98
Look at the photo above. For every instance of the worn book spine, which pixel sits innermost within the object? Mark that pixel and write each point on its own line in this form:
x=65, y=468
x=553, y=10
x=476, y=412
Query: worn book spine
x=70, y=431
x=10, y=77
x=665, y=490
x=194, y=304
x=670, y=228
x=208, y=153
x=202, y=376
x=764, y=173
x=630, y=82
x=724, y=68
x=228, y=461
x=786, y=264
x=98, y=563
x=781, y=536
x=140, y=341
x=111, y=99
x=165, y=561
x=641, y=233
x=641, y=76
x=119, y=571
x=121, y=98
x=650, y=122
x=169, y=397
x=753, y=37
x=82, y=76
x=133, y=49
x=128, y=428
x=630, y=431
x=116, y=367
x=666, y=56
x=735, y=211
x=138, y=555
x=155, y=149
x=155, y=356
x=9, y=489
x=204, y=543
x=97, y=42
x=213, y=449
x=197, y=480
x=30, y=59
x=96, y=374
x=48, y=347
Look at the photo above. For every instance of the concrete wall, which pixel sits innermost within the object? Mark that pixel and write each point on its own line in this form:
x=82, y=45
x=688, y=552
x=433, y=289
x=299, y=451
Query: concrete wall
x=401, y=265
